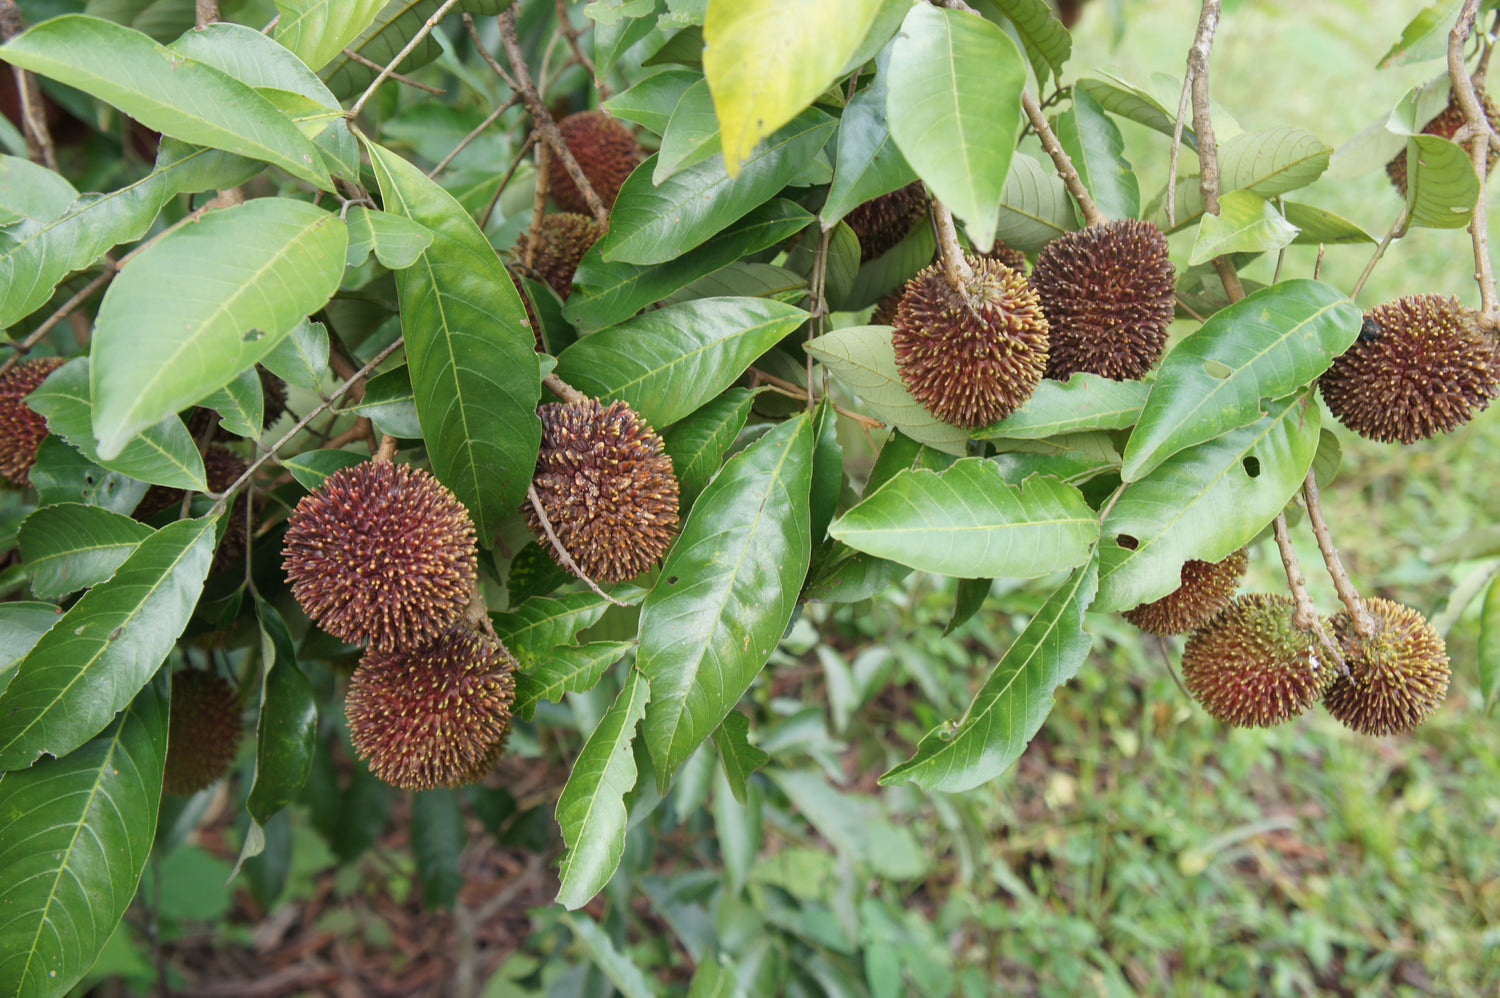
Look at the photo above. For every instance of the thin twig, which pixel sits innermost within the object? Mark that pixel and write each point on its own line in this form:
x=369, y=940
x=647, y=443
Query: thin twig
x=1060, y=161
x=1481, y=135
x=515, y=164
x=36, y=334
x=1396, y=231
x=565, y=23
x=1182, y=110
x=1306, y=617
x=540, y=116
x=796, y=391
x=819, y=302
x=955, y=267
x=538, y=205
x=1364, y=624
x=1161, y=646
x=39, y=148
x=562, y=552
x=478, y=130
x=557, y=386
x=372, y=64
x=385, y=72
x=1203, y=124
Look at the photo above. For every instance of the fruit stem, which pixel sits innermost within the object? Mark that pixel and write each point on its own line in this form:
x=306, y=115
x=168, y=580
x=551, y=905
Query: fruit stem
x=1306, y=618
x=1364, y=624
x=562, y=552
x=955, y=267
x=1482, y=145
x=1198, y=59
x=386, y=451
x=1061, y=162
x=1396, y=231
x=557, y=386
x=207, y=13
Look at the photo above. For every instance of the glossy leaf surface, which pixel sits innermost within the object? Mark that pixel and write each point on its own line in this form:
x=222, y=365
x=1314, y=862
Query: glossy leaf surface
x=698, y=442
x=71, y=546
x=1441, y=185
x=1083, y=402
x=1094, y=144
x=868, y=163
x=318, y=30
x=1246, y=223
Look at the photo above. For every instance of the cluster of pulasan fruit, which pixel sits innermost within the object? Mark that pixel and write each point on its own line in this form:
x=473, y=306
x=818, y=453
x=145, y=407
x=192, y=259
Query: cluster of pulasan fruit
x=1250, y=665
x=384, y=554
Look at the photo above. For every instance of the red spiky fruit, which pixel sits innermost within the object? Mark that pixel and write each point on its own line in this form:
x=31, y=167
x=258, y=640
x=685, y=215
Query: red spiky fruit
x=880, y=223
x=1206, y=588
x=606, y=151
x=607, y=487
x=1446, y=125
x=1397, y=676
x=21, y=429
x=381, y=552
x=203, y=731
x=435, y=716
x=971, y=355
x=561, y=241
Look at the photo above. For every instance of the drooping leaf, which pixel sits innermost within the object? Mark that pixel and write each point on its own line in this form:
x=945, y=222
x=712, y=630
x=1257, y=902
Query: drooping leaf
x=969, y=523
x=1318, y=225
x=535, y=627
x=1126, y=100
x=1048, y=44
x=70, y=546
x=1246, y=223
x=396, y=240
x=245, y=277
x=318, y=30
x=651, y=101
x=565, y=670
x=954, y=109
x=828, y=469
x=77, y=834
x=1489, y=647
x=240, y=404
x=740, y=758
x=698, y=442
x=23, y=624
x=668, y=362
x=474, y=370
x=106, y=647
x=863, y=358
x=437, y=842
x=1204, y=502
x=765, y=62
x=1034, y=207
x=591, y=809
x=1083, y=402
x=618, y=967
x=1425, y=35
x=726, y=591
x=652, y=224
x=1441, y=185
x=167, y=91
x=1094, y=144
x=1264, y=347
x=396, y=24
x=868, y=163
x=1015, y=699
x=164, y=454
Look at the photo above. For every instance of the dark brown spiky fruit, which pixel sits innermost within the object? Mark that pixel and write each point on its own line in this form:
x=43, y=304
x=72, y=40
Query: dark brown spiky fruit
x=972, y=356
x=606, y=152
x=1446, y=125
x=21, y=429
x=607, y=488
x=1251, y=667
x=1108, y=291
x=880, y=223
x=1420, y=367
x=222, y=468
x=203, y=731
x=381, y=552
x=1206, y=588
x=273, y=389
x=885, y=310
x=1396, y=677
x=561, y=242
x=1011, y=257
x=436, y=716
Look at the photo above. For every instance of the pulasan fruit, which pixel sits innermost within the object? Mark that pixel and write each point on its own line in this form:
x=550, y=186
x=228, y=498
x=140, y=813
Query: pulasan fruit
x=21, y=429
x=203, y=731
x=1206, y=588
x=1397, y=676
x=606, y=152
x=562, y=239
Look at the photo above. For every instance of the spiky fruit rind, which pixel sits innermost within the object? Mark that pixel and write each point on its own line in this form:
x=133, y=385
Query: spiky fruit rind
x=606, y=152
x=562, y=239
x=21, y=429
x=973, y=356
x=1396, y=677
x=881, y=223
x=1420, y=367
x=222, y=468
x=203, y=731
x=1008, y=255
x=435, y=716
x=1109, y=294
x=1446, y=125
x=1206, y=588
x=607, y=487
x=381, y=552
x=1252, y=667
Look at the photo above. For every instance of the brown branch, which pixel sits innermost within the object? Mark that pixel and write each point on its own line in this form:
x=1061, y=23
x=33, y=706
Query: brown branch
x=372, y=64
x=385, y=72
x=515, y=164
x=1481, y=135
x=1183, y=104
x=523, y=85
x=955, y=267
x=1306, y=617
x=1364, y=624
x=562, y=552
x=474, y=134
x=1060, y=161
x=538, y=205
x=792, y=390
x=1396, y=231
x=208, y=12
x=386, y=451
x=557, y=386
x=565, y=23
x=35, y=336
x=1199, y=56
x=39, y=148
x=819, y=301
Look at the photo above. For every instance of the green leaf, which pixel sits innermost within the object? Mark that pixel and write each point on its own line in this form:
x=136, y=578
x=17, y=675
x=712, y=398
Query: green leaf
x=1424, y=37
x=565, y=670
x=1094, y=143
x=389, y=401
x=1218, y=378
x=1204, y=502
x=396, y=240
x=893, y=268
x=245, y=276
x=618, y=967
x=166, y=90
x=738, y=827
x=650, y=102
x=23, y=624
x=740, y=758
x=240, y=404
x=1128, y=101
x=534, y=628
x=868, y=163
x=828, y=470
x=607, y=293
x=31, y=192
x=726, y=591
x=591, y=809
x=318, y=30
x=1441, y=185
x=1246, y=223
x=1267, y=163
x=1083, y=402
x=1015, y=699
x=437, y=842
x=863, y=358
x=668, y=362
x=474, y=369
x=164, y=454
x=387, y=35
x=62, y=474
x=1489, y=647
x=1035, y=207
x=1048, y=43
x=611, y=41
x=744, y=279
x=311, y=468
x=70, y=546
x=692, y=133
x=655, y=224
x=106, y=647
x=288, y=721
x=765, y=62
x=1318, y=225
x=302, y=358
x=77, y=834
x=969, y=523
x=612, y=11
x=697, y=443
x=967, y=601
x=955, y=109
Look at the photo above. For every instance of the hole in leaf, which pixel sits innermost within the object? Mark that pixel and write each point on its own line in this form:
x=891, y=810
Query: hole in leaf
x=1217, y=369
x=672, y=580
x=253, y=335
x=1252, y=466
x=1127, y=542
